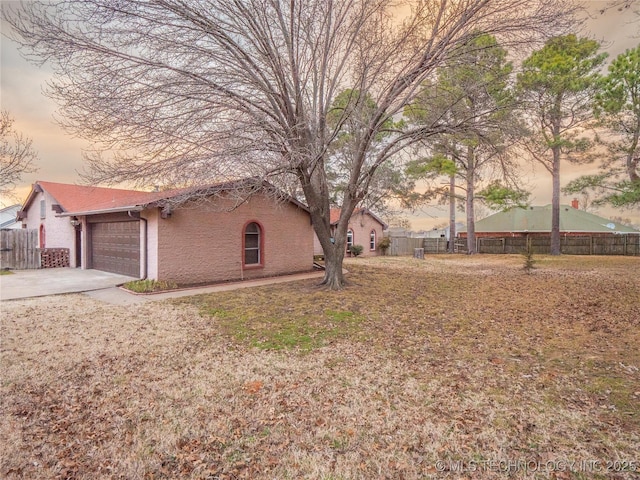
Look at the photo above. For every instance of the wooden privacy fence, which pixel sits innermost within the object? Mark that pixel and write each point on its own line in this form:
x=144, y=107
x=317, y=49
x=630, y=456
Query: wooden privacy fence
x=406, y=245
x=608, y=244
x=435, y=245
x=628, y=244
x=19, y=249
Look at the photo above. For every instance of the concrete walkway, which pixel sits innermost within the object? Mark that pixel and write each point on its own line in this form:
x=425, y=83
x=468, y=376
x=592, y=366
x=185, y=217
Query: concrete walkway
x=118, y=296
x=103, y=285
x=55, y=281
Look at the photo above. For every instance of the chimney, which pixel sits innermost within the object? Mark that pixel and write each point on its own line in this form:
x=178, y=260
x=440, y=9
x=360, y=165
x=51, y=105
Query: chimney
x=575, y=204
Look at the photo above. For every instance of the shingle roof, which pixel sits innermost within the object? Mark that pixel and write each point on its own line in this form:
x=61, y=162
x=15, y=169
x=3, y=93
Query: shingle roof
x=8, y=215
x=78, y=198
x=334, y=215
x=85, y=200
x=538, y=219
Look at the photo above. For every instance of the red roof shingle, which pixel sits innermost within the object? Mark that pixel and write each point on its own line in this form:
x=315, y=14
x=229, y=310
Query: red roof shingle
x=334, y=215
x=78, y=198
x=83, y=200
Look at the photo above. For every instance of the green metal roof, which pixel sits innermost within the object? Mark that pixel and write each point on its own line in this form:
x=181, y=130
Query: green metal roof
x=538, y=219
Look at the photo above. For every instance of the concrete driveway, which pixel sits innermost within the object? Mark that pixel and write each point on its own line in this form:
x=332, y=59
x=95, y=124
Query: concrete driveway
x=53, y=281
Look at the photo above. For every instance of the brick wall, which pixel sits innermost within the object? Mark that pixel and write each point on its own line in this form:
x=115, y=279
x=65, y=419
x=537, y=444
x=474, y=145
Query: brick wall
x=59, y=233
x=362, y=224
x=203, y=243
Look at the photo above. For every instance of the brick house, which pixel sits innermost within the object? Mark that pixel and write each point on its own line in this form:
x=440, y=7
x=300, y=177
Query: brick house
x=365, y=228
x=223, y=232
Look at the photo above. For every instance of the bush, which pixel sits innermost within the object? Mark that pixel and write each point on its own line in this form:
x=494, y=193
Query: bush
x=384, y=245
x=356, y=250
x=149, y=286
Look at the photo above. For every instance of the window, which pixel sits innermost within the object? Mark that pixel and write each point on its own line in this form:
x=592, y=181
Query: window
x=372, y=240
x=42, y=239
x=349, y=239
x=252, y=244
x=43, y=209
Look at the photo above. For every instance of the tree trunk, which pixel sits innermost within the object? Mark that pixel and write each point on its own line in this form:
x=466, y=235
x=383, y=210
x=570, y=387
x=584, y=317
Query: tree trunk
x=555, y=204
x=471, y=223
x=452, y=213
x=633, y=158
x=333, y=277
x=333, y=241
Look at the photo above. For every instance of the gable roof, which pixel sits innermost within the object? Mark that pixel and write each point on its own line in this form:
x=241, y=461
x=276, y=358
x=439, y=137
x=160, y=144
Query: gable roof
x=89, y=200
x=334, y=216
x=538, y=219
x=73, y=198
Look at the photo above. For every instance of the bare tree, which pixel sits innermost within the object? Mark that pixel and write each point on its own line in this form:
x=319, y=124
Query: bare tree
x=16, y=155
x=198, y=91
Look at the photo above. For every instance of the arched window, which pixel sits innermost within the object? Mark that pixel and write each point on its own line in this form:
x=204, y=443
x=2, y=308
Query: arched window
x=252, y=244
x=372, y=240
x=43, y=243
x=349, y=239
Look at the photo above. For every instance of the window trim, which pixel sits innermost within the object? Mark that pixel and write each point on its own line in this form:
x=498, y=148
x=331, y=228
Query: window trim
x=373, y=238
x=260, y=264
x=353, y=239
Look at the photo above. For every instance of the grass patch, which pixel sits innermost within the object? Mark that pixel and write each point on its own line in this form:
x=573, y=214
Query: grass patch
x=453, y=359
x=6, y=272
x=273, y=327
x=149, y=286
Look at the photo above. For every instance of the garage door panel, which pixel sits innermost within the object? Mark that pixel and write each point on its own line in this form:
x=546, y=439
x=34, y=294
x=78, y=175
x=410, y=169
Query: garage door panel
x=115, y=247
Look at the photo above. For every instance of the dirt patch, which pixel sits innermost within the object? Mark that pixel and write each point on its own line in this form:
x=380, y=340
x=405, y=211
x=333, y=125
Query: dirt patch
x=452, y=367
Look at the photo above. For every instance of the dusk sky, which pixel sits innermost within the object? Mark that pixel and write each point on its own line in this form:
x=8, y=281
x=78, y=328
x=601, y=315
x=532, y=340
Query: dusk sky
x=22, y=85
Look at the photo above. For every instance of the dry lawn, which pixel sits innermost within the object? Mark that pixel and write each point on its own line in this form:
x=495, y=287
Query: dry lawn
x=451, y=367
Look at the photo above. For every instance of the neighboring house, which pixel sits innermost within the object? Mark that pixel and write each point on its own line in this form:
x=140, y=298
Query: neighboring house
x=186, y=236
x=8, y=218
x=397, y=232
x=365, y=228
x=447, y=231
x=537, y=221
x=434, y=233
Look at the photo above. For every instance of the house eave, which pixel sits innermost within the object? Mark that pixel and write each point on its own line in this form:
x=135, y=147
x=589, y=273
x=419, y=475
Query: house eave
x=131, y=208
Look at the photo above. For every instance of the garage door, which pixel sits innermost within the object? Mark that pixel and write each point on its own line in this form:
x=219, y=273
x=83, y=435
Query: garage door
x=115, y=247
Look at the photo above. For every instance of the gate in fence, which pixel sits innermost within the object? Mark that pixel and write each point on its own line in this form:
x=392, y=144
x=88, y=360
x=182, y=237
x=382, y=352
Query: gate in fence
x=19, y=249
